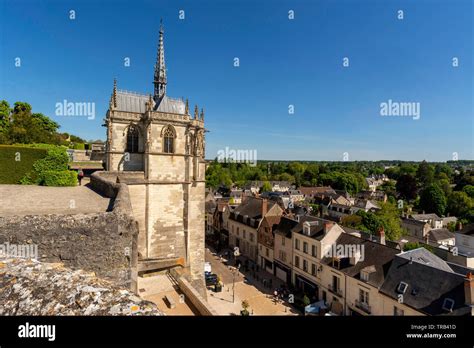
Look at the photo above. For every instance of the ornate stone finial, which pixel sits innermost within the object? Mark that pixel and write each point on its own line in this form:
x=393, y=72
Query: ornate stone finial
x=202, y=114
x=196, y=112
x=149, y=103
x=113, y=100
x=186, y=110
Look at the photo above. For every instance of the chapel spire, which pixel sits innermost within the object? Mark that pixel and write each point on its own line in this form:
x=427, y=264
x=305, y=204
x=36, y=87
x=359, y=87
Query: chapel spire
x=160, y=68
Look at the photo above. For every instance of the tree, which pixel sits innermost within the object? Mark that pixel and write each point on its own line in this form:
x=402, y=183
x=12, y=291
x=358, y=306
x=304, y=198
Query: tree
x=389, y=187
x=425, y=174
x=390, y=217
x=351, y=221
x=306, y=300
x=4, y=119
x=469, y=189
x=443, y=170
x=445, y=186
x=245, y=306
x=433, y=200
x=28, y=128
x=267, y=187
x=459, y=203
x=406, y=187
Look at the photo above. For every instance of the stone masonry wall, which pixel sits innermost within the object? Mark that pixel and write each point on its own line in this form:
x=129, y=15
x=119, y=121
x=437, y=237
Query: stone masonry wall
x=104, y=243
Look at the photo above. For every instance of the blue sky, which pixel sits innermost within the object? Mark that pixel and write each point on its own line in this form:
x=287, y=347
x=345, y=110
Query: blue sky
x=282, y=62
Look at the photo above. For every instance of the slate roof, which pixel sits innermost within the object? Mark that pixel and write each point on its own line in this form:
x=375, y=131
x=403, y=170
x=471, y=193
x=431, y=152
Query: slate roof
x=440, y=234
x=425, y=257
x=371, y=237
x=135, y=102
x=210, y=206
x=413, y=221
x=250, y=211
x=425, y=217
x=285, y=226
x=365, y=204
x=316, y=226
x=467, y=230
x=376, y=256
x=309, y=191
x=427, y=287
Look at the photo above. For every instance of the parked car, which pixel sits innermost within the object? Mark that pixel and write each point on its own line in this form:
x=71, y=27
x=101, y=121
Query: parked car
x=211, y=279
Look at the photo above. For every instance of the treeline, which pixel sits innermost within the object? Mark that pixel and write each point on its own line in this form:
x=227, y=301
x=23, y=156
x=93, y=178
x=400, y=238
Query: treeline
x=349, y=176
x=19, y=125
x=441, y=188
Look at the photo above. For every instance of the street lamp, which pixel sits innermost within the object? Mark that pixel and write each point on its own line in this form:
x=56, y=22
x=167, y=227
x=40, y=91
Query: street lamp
x=233, y=282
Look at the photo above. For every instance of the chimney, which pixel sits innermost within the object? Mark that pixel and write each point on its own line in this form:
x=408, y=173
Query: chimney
x=381, y=234
x=327, y=226
x=264, y=206
x=469, y=291
x=355, y=258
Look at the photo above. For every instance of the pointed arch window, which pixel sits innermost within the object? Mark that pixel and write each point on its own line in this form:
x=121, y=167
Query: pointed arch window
x=168, y=140
x=132, y=139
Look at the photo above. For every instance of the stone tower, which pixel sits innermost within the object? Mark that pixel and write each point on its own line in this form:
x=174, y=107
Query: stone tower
x=156, y=147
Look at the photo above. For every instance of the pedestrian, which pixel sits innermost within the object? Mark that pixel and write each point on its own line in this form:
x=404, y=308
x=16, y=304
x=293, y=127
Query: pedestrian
x=80, y=175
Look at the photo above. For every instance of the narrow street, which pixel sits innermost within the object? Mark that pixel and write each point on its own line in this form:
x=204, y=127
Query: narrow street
x=259, y=298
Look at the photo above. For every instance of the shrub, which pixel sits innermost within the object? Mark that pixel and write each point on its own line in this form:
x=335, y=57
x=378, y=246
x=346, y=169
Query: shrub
x=50, y=170
x=56, y=160
x=59, y=178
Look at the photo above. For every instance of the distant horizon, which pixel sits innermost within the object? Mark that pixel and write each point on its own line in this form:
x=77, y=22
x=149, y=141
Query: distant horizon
x=335, y=80
x=338, y=161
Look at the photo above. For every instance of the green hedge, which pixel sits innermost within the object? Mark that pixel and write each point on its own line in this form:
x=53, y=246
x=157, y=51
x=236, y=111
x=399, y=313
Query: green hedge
x=59, y=178
x=17, y=161
x=35, y=164
x=79, y=146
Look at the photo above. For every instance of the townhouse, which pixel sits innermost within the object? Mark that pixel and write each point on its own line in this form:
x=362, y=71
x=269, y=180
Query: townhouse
x=311, y=239
x=244, y=221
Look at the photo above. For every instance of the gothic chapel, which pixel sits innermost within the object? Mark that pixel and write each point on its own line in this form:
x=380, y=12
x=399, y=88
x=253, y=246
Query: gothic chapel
x=156, y=147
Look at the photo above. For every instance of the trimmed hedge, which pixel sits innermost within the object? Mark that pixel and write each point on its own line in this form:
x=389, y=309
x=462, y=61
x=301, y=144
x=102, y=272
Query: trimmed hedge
x=16, y=161
x=35, y=164
x=59, y=178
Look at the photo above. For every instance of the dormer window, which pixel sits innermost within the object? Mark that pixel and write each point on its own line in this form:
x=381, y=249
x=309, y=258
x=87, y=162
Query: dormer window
x=448, y=304
x=306, y=228
x=402, y=287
